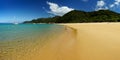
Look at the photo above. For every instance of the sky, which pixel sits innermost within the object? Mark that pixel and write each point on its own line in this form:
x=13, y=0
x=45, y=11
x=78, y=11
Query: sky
x=26, y=10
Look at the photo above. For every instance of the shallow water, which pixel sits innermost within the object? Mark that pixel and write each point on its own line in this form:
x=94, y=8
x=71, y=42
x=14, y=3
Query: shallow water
x=27, y=31
x=35, y=42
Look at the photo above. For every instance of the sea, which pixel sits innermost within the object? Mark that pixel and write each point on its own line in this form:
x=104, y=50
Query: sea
x=17, y=40
x=9, y=32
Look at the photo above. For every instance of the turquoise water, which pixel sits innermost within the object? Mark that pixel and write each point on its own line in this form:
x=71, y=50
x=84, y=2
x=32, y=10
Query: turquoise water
x=19, y=40
x=36, y=42
x=27, y=31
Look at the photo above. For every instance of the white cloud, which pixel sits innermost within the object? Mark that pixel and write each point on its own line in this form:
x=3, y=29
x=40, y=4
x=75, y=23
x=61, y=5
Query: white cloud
x=58, y=10
x=116, y=3
x=101, y=5
x=112, y=5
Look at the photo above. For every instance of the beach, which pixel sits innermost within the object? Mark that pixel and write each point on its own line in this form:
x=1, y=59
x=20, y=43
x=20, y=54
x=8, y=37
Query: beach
x=97, y=41
x=79, y=41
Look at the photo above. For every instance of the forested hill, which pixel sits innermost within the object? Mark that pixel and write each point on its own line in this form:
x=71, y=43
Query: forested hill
x=77, y=16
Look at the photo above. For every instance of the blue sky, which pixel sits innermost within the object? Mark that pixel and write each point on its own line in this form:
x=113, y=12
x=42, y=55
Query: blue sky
x=22, y=10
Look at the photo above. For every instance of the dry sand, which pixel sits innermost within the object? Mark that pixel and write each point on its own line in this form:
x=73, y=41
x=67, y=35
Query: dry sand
x=97, y=41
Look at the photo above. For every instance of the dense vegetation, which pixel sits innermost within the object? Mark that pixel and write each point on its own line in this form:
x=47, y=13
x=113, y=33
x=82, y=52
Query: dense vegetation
x=76, y=16
x=44, y=20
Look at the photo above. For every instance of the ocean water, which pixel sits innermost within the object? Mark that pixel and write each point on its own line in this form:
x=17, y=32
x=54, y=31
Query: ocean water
x=37, y=42
x=27, y=31
x=17, y=41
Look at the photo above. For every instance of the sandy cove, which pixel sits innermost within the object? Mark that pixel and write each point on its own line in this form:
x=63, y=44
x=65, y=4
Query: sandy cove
x=97, y=41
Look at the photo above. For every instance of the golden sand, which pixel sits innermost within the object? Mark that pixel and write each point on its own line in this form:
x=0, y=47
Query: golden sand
x=97, y=41
x=62, y=48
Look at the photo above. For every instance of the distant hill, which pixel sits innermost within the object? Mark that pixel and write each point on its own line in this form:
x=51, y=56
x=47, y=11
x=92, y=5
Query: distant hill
x=44, y=20
x=77, y=16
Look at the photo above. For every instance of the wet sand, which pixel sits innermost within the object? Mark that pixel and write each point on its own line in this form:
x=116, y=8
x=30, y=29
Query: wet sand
x=97, y=41
x=62, y=48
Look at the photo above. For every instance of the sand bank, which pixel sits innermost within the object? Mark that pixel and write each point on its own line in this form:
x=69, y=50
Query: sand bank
x=97, y=41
